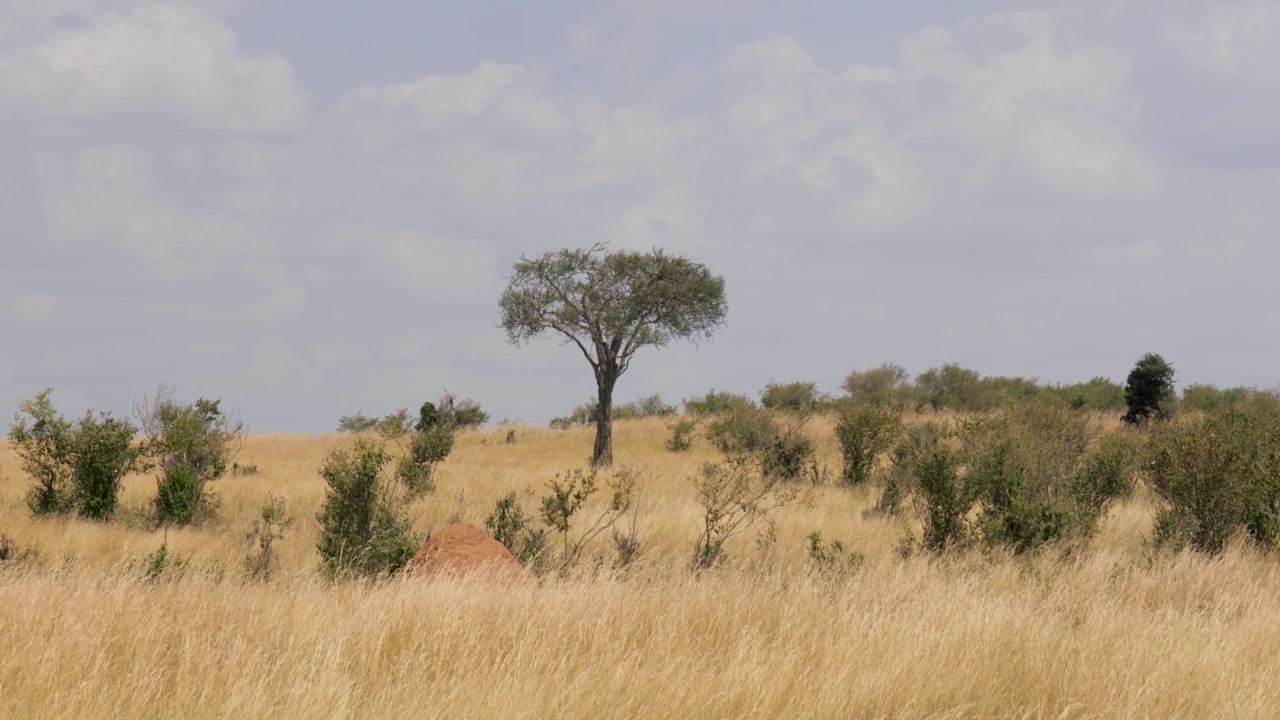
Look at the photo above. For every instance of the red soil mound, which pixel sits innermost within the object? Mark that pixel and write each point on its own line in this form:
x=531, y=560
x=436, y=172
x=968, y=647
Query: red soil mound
x=462, y=550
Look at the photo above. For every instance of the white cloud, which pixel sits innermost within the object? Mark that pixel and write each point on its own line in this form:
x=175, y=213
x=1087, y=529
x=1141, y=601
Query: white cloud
x=1240, y=41
x=166, y=60
x=108, y=199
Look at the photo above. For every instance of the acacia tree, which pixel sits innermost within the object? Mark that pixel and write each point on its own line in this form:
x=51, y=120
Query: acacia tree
x=611, y=304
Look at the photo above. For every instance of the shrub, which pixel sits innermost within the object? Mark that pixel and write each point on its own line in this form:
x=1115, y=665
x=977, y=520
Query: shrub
x=270, y=527
x=943, y=498
x=358, y=423
x=77, y=466
x=192, y=445
x=735, y=496
x=955, y=388
x=468, y=414
x=585, y=414
x=427, y=449
x=163, y=564
x=364, y=530
x=681, y=436
x=899, y=480
x=1034, y=481
x=744, y=429
x=645, y=407
x=716, y=403
x=1207, y=398
x=791, y=397
x=1148, y=392
x=396, y=424
x=1099, y=393
x=1220, y=474
x=865, y=431
x=510, y=525
x=589, y=412
x=1021, y=480
x=569, y=493
x=780, y=450
x=885, y=385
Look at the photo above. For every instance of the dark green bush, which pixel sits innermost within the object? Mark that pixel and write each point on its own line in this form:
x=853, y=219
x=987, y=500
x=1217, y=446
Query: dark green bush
x=1220, y=474
x=364, y=529
x=1148, y=391
x=865, y=432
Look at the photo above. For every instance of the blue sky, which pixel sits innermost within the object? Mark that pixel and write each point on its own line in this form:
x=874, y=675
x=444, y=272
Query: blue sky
x=307, y=208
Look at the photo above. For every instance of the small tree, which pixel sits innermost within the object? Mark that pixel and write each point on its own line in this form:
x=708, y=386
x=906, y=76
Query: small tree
x=865, y=432
x=192, y=445
x=364, y=530
x=43, y=441
x=76, y=466
x=610, y=305
x=1149, y=389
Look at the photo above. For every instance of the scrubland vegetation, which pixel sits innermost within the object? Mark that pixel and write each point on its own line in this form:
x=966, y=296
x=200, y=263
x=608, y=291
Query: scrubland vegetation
x=944, y=546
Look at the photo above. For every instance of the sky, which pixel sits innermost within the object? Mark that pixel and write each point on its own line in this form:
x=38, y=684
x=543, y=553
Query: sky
x=307, y=208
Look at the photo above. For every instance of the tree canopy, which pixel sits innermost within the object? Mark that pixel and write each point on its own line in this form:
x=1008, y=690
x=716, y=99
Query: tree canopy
x=611, y=304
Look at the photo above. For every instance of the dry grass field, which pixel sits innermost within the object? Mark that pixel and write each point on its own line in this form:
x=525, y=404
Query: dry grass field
x=1109, y=631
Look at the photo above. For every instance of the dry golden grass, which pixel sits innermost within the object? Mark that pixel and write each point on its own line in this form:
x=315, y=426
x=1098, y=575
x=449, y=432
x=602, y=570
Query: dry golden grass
x=1110, y=632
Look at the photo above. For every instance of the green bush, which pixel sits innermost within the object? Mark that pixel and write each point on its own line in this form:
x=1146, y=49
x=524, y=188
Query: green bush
x=364, y=528
x=1220, y=474
x=1026, y=478
x=192, y=445
x=273, y=521
x=743, y=429
x=1207, y=398
x=427, y=449
x=920, y=439
x=681, y=436
x=589, y=412
x=358, y=423
x=77, y=467
x=792, y=397
x=1148, y=391
x=1099, y=393
x=885, y=385
x=510, y=525
x=781, y=451
x=1034, y=479
x=953, y=387
x=865, y=431
x=716, y=403
x=468, y=414
x=735, y=496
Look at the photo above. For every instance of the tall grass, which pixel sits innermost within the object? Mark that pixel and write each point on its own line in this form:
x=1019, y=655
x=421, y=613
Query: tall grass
x=1115, y=631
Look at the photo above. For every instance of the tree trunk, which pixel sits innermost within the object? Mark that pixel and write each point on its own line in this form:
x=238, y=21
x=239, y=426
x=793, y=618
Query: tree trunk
x=602, y=455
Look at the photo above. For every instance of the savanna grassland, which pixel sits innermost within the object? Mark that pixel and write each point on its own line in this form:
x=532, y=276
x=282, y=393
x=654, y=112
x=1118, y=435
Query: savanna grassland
x=1106, y=629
